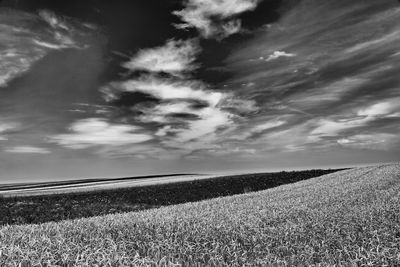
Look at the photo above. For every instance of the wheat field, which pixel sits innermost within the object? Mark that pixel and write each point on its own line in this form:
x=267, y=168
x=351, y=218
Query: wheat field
x=347, y=218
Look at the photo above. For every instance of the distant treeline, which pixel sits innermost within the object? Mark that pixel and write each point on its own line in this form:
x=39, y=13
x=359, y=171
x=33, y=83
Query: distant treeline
x=39, y=209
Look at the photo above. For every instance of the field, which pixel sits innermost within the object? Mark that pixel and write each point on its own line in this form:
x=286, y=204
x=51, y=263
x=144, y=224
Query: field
x=347, y=218
x=86, y=185
x=56, y=207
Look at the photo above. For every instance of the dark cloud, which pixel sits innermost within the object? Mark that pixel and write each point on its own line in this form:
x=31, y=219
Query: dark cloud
x=131, y=99
x=184, y=116
x=197, y=104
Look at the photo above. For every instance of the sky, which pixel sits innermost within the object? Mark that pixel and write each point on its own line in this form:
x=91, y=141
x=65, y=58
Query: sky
x=123, y=88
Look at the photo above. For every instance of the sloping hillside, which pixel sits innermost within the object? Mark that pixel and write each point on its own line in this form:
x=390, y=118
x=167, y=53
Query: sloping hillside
x=352, y=216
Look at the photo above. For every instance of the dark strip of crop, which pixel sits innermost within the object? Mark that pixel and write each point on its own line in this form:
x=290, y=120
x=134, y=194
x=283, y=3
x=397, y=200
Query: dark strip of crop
x=40, y=209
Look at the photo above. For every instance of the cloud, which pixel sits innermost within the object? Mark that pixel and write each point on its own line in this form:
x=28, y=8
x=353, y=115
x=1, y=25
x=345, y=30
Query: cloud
x=54, y=21
x=181, y=92
x=334, y=87
x=363, y=120
x=211, y=119
x=378, y=141
x=229, y=28
x=49, y=45
x=98, y=132
x=267, y=125
x=293, y=138
x=13, y=63
x=385, y=108
x=362, y=117
x=370, y=127
x=175, y=57
x=26, y=39
x=190, y=114
x=177, y=112
x=257, y=129
x=164, y=88
x=324, y=95
x=278, y=54
x=6, y=126
x=27, y=150
x=328, y=127
x=387, y=39
x=200, y=133
x=314, y=98
x=214, y=18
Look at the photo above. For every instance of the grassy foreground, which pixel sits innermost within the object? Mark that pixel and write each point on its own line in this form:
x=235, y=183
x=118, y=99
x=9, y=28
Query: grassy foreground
x=347, y=218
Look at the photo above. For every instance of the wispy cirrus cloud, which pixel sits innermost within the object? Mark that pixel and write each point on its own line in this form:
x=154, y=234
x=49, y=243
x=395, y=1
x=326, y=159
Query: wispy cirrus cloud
x=97, y=132
x=360, y=118
x=175, y=57
x=7, y=126
x=26, y=38
x=27, y=150
x=377, y=141
x=388, y=108
x=54, y=21
x=334, y=88
x=257, y=129
x=47, y=62
x=164, y=88
x=214, y=18
x=188, y=112
x=278, y=54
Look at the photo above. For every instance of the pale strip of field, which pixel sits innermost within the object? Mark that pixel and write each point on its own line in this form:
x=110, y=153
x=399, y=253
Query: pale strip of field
x=102, y=185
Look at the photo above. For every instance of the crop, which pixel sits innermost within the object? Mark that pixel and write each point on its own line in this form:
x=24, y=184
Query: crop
x=347, y=218
x=39, y=209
